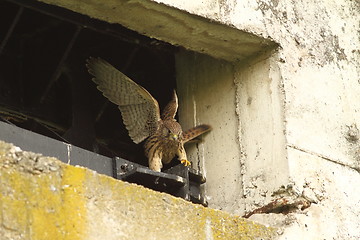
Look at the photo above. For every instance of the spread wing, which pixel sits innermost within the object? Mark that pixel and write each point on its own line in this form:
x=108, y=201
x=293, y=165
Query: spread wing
x=139, y=110
x=169, y=111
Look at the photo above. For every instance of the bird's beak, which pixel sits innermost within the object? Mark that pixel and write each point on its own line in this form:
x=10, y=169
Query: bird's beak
x=174, y=137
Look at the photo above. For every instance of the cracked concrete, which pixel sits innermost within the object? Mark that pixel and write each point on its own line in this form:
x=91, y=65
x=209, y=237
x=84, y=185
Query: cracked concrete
x=316, y=75
x=337, y=161
x=279, y=117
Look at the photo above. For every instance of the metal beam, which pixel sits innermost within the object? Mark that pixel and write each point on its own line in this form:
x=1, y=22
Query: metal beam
x=67, y=153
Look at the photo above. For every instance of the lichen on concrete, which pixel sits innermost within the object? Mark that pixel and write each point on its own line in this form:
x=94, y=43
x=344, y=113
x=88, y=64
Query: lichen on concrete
x=43, y=198
x=37, y=197
x=314, y=75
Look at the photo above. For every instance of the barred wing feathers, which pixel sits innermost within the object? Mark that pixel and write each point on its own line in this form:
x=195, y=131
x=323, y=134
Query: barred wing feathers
x=192, y=133
x=139, y=110
x=170, y=109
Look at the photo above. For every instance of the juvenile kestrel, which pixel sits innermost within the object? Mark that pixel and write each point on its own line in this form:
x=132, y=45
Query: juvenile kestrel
x=141, y=115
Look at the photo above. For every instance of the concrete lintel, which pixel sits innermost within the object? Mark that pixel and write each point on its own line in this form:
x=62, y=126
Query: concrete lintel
x=174, y=26
x=43, y=198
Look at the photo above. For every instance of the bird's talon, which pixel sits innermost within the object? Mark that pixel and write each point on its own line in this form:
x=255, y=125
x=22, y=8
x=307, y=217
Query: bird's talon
x=185, y=162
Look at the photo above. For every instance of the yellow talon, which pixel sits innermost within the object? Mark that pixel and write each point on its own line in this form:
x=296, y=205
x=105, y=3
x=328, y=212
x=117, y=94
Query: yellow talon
x=185, y=162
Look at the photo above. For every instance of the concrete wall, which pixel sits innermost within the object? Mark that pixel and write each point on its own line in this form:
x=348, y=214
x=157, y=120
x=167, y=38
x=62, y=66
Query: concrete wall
x=244, y=157
x=260, y=107
x=207, y=95
x=43, y=198
x=314, y=91
x=289, y=119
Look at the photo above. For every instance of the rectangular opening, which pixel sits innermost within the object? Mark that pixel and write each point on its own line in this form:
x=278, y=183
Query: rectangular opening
x=47, y=88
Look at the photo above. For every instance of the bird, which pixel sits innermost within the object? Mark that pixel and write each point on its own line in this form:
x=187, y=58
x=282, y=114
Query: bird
x=163, y=135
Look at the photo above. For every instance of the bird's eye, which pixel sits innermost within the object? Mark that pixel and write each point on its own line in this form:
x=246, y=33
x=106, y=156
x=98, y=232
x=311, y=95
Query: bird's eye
x=166, y=132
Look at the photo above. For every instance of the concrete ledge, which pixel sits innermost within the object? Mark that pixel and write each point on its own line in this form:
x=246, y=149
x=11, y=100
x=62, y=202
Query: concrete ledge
x=172, y=25
x=43, y=198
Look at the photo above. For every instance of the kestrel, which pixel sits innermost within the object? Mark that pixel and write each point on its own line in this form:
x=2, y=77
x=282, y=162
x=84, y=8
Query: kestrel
x=141, y=115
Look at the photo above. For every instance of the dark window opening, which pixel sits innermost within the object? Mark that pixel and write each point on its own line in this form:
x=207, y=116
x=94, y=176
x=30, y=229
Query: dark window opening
x=46, y=88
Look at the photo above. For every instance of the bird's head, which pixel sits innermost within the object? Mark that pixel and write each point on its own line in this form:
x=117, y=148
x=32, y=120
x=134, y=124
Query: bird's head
x=172, y=130
x=173, y=136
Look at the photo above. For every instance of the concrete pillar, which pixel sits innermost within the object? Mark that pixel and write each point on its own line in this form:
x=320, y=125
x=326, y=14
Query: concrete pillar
x=207, y=95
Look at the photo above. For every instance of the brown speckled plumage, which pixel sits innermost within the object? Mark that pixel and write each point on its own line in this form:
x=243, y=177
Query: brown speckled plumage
x=141, y=115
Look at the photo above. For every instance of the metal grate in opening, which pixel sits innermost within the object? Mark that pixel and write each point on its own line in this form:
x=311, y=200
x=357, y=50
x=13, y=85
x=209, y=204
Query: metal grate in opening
x=45, y=88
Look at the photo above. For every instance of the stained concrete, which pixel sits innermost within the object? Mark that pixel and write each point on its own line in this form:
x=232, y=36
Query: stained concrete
x=312, y=83
x=318, y=63
x=43, y=198
x=260, y=108
x=207, y=94
x=175, y=26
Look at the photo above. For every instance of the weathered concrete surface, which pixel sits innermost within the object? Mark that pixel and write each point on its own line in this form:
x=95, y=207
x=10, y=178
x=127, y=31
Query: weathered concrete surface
x=336, y=201
x=206, y=95
x=319, y=85
x=43, y=198
x=174, y=26
x=318, y=64
x=250, y=160
x=260, y=108
x=318, y=77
